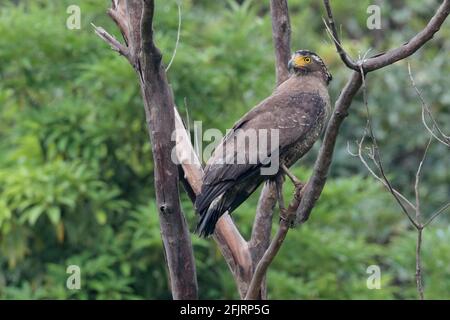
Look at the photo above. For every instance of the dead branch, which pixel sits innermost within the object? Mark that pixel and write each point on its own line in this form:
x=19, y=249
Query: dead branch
x=135, y=21
x=281, y=34
x=400, y=198
x=319, y=176
x=415, y=43
x=113, y=42
x=360, y=155
x=331, y=28
x=178, y=38
x=158, y=102
x=439, y=136
x=436, y=214
x=274, y=247
x=375, y=155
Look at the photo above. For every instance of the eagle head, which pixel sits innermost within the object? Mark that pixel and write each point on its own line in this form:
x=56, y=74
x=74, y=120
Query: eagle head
x=305, y=62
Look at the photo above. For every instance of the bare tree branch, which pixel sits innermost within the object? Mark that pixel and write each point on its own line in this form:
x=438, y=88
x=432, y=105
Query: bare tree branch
x=331, y=27
x=118, y=14
x=236, y=252
x=262, y=228
x=411, y=46
x=319, y=176
x=178, y=38
x=275, y=245
x=113, y=42
x=419, y=281
x=375, y=155
x=360, y=155
x=417, y=182
x=281, y=34
x=158, y=102
x=444, y=139
x=436, y=214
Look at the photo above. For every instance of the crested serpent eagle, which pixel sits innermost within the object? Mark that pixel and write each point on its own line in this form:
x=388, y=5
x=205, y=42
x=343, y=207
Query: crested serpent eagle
x=298, y=109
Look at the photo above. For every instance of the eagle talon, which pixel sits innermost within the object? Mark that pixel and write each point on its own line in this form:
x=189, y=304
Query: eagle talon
x=284, y=215
x=287, y=218
x=297, y=183
x=299, y=186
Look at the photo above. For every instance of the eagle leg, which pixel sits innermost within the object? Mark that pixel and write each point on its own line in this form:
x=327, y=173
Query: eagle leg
x=297, y=183
x=280, y=199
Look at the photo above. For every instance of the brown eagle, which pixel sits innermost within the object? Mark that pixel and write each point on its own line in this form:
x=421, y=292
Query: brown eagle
x=297, y=110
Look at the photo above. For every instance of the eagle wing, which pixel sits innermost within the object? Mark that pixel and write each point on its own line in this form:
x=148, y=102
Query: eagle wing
x=293, y=114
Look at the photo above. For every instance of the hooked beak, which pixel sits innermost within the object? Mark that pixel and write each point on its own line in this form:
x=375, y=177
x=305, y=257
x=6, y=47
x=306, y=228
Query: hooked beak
x=296, y=62
x=290, y=65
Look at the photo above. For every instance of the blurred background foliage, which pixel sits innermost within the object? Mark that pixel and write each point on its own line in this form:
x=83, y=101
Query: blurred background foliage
x=76, y=182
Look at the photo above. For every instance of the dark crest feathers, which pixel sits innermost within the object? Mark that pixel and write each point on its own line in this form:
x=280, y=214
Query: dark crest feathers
x=318, y=60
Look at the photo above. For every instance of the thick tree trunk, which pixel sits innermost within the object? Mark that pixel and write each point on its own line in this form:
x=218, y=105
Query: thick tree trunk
x=158, y=103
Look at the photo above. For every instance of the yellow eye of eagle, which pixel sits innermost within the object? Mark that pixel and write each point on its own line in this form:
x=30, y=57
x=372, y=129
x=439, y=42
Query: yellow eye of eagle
x=307, y=59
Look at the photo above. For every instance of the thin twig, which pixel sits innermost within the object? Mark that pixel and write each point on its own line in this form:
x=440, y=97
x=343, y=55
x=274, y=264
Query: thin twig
x=178, y=37
x=364, y=162
x=113, y=42
x=419, y=280
x=444, y=139
x=281, y=35
x=417, y=181
x=436, y=214
x=376, y=155
x=334, y=34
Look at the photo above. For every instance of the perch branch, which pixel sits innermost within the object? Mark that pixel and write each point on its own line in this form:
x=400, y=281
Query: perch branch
x=410, y=47
x=274, y=247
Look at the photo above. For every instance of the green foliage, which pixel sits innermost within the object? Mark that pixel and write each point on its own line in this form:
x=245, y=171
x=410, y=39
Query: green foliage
x=435, y=259
x=76, y=180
